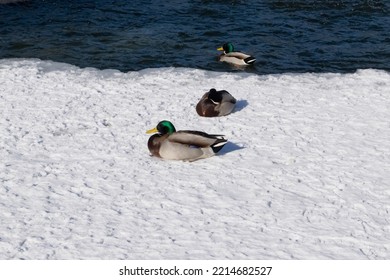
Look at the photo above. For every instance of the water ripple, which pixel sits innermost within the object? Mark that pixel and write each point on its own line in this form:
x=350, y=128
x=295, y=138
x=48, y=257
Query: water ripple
x=284, y=36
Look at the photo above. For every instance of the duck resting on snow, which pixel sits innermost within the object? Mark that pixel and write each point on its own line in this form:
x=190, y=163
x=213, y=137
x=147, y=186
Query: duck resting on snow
x=234, y=57
x=185, y=145
x=215, y=103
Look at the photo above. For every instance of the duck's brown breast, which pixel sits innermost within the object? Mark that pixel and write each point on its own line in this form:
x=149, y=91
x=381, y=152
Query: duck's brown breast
x=206, y=108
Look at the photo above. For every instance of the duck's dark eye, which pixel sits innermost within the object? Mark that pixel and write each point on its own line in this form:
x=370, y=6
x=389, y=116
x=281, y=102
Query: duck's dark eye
x=162, y=128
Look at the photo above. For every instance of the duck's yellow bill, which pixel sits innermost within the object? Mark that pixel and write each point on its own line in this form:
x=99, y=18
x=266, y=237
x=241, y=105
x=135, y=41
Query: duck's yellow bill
x=153, y=130
x=220, y=49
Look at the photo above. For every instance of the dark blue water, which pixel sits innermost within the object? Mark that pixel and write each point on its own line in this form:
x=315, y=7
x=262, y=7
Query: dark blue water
x=284, y=36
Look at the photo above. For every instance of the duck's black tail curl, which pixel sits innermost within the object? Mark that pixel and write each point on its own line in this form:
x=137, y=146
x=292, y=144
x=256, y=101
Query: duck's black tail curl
x=250, y=60
x=218, y=145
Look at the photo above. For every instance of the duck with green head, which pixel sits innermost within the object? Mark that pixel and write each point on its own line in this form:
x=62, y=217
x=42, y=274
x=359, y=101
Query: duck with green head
x=188, y=145
x=234, y=57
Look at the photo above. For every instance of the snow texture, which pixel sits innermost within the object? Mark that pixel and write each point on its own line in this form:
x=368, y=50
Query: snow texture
x=305, y=174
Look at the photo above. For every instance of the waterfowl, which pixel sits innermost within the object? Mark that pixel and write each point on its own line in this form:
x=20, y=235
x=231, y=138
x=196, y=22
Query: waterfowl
x=215, y=103
x=185, y=145
x=234, y=57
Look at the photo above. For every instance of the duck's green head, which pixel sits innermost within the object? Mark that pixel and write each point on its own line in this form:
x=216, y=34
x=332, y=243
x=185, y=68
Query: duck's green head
x=227, y=48
x=163, y=127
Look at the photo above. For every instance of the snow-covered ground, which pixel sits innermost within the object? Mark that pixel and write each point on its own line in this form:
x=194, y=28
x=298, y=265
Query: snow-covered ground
x=306, y=174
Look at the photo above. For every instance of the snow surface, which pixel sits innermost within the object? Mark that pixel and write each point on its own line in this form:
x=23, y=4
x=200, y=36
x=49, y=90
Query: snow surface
x=306, y=174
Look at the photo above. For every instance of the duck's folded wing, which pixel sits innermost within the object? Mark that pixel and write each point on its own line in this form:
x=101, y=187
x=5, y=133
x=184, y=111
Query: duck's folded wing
x=227, y=97
x=238, y=55
x=195, y=138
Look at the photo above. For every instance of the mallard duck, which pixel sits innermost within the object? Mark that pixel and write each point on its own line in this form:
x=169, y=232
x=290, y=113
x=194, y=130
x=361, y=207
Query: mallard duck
x=233, y=57
x=185, y=145
x=215, y=103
